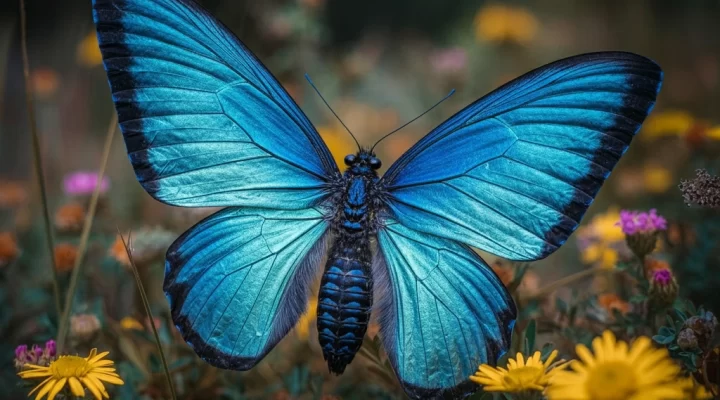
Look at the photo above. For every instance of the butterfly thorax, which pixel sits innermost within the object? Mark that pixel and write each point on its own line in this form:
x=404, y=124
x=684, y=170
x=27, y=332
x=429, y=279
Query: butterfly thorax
x=346, y=291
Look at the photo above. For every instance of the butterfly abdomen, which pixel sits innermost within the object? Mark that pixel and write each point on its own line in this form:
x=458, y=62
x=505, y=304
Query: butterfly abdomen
x=345, y=298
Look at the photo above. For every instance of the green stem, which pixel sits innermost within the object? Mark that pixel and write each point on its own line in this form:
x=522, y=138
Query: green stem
x=37, y=156
x=148, y=311
x=84, y=236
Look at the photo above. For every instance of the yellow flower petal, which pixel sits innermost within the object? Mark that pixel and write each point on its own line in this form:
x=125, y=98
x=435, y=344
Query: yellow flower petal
x=57, y=388
x=76, y=387
x=108, y=378
x=48, y=386
x=550, y=358
x=93, y=389
x=34, y=374
x=96, y=358
x=41, y=385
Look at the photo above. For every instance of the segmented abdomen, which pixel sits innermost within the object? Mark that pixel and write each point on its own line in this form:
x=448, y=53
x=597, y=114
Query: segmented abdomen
x=344, y=304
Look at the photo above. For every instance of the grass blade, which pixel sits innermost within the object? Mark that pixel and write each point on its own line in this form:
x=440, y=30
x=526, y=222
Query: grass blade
x=85, y=235
x=37, y=156
x=146, y=304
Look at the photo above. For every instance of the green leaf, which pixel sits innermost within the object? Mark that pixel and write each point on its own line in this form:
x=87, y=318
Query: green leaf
x=530, y=333
x=638, y=298
x=665, y=331
x=516, y=342
x=545, y=351
x=681, y=315
x=660, y=339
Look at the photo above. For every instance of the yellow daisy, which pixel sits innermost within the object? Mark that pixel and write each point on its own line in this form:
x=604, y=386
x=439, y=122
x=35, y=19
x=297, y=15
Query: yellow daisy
x=74, y=371
x=520, y=376
x=618, y=371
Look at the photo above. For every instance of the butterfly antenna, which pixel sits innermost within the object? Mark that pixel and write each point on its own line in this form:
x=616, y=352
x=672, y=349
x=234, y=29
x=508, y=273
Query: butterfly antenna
x=452, y=92
x=331, y=110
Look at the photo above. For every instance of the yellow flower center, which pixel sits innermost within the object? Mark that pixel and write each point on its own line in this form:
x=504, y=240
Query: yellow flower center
x=611, y=381
x=523, y=377
x=69, y=366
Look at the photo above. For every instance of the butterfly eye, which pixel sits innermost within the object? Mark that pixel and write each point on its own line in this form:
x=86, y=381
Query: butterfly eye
x=349, y=159
x=375, y=163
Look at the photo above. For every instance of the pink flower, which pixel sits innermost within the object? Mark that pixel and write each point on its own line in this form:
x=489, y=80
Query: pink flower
x=84, y=183
x=449, y=61
x=21, y=352
x=633, y=222
x=50, y=348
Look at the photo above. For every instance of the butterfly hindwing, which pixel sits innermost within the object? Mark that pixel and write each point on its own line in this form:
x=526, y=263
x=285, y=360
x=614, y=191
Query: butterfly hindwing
x=514, y=172
x=204, y=122
x=443, y=311
x=238, y=280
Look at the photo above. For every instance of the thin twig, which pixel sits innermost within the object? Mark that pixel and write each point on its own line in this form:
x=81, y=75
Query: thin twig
x=37, y=156
x=85, y=235
x=148, y=311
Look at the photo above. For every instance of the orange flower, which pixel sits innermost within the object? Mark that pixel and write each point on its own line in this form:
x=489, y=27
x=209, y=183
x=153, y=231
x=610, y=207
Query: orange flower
x=652, y=265
x=8, y=248
x=45, y=82
x=65, y=256
x=118, y=252
x=503, y=271
x=12, y=194
x=70, y=217
x=611, y=301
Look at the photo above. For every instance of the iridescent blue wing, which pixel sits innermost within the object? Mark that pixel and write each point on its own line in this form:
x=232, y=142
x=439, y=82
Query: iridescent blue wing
x=204, y=122
x=443, y=311
x=238, y=281
x=514, y=172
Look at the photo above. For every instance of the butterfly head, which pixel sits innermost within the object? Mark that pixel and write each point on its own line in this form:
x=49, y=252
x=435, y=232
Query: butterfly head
x=363, y=163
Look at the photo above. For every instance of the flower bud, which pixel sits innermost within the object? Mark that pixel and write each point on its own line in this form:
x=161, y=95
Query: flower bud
x=687, y=340
x=703, y=325
x=663, y=288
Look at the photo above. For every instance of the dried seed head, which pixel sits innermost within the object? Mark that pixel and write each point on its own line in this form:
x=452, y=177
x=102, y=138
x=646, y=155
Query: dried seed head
x=703, y=190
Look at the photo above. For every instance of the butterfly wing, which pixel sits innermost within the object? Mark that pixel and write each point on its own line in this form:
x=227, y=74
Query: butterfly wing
x=204, y=122
x=514, y=172
x=238, y=280
x=443, y=313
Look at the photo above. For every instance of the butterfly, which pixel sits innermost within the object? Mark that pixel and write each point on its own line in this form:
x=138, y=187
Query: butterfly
x=207, y=125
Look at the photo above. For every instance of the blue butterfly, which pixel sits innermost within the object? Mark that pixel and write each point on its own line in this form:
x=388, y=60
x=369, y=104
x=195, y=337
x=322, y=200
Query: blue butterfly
x=206, y=125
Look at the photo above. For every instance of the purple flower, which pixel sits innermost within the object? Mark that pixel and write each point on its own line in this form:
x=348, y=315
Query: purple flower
x=21, y=352
x=50, y=348
x=633, y=222
x=84, y=183
x=662, y=277
x=450, y=61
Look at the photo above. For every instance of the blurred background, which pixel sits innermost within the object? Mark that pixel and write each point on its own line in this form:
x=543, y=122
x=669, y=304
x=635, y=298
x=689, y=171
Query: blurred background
x=379, y=63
